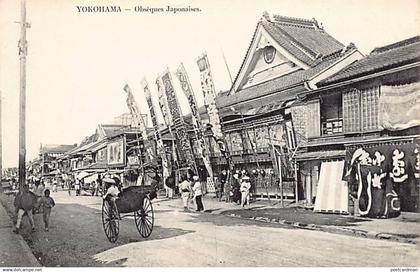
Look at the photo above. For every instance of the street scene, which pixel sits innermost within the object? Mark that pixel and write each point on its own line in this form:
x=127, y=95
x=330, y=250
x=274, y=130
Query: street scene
x=283, y=136
x=77, y=238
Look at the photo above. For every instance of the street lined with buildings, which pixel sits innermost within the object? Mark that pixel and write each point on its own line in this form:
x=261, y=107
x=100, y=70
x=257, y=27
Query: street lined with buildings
x=309, y=124
x=212, y=239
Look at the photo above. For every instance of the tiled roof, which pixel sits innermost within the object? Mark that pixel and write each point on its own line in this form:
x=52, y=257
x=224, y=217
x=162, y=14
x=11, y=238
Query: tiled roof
x=302, y=38
x=272, y=86
x=112, y=130
x=56, y=148
x=96, y=146
x=380, y=59
x=81, y=148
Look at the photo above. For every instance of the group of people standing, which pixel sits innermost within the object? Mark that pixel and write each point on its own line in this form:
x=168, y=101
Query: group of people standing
x=237, y=190
x=191, y=191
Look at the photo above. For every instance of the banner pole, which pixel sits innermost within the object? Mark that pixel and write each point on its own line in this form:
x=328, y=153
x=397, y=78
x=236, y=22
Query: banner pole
x=296, y=179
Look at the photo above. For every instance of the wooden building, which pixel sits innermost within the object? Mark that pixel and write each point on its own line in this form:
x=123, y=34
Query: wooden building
x=371, y=106
x=285, y=58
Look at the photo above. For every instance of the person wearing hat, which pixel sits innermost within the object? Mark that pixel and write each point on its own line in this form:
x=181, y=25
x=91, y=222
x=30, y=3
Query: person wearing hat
x=198, y=193
x=245, y=187
x=185, y=188
x=112, y=191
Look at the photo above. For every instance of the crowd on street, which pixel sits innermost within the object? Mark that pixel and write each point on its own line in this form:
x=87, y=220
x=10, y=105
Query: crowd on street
x=35, y=194
x=238, y=190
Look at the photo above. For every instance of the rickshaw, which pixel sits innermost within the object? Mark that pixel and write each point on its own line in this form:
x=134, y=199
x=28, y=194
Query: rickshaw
x=133, y=201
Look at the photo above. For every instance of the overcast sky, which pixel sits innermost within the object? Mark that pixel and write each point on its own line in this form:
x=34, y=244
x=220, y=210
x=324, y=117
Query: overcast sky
x=78, y=63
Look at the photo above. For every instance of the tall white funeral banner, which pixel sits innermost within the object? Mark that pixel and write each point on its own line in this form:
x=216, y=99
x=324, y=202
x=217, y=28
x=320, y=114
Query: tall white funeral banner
x=167, y=118
x=203, y=149
x=139, y=122
x=209, y=94
x=163, y=103
x=185, y=153
x=158, y=136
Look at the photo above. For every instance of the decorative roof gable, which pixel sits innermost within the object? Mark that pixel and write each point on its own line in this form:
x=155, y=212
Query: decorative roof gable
x=281, y=46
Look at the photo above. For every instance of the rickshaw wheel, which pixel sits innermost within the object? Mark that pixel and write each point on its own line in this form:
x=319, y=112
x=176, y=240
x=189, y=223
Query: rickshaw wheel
x=144, y=218
x=110, y=221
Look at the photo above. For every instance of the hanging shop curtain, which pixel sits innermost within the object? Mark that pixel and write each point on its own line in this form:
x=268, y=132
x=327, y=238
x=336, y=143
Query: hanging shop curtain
x=332, y=192
x=383, y=177
x=400, y=106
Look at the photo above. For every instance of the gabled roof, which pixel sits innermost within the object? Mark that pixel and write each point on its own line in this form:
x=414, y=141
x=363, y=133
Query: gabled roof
x=80, y=149
x=302, y=41
x=55, y=148
x=380, y=59
x=89, y=139
x=276, y=85
x=110, y=130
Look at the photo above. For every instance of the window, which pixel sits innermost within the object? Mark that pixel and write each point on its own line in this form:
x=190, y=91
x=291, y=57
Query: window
x=360, y=110
x=331, y=114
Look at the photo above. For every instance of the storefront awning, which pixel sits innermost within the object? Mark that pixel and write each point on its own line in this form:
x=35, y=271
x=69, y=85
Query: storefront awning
x=320, y=155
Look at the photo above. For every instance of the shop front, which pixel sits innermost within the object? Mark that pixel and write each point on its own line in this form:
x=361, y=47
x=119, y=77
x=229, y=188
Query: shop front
x=384, y=176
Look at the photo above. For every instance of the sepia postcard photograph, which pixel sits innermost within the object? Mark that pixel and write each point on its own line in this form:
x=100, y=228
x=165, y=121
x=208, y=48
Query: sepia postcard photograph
x=188, y=134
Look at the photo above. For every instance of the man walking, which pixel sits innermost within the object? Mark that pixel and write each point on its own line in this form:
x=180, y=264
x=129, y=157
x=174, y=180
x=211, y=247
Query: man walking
x=24, y=203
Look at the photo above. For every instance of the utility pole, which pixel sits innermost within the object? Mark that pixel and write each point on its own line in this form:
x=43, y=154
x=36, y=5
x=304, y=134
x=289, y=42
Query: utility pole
x=23, y=51
x=1, y=143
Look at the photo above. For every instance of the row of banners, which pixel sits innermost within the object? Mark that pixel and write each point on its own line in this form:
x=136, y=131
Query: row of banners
x=173, y=119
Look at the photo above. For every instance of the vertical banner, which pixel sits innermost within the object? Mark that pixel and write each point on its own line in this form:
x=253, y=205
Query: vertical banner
x=138, y=119
x=158, y=136
x=167, y=118
x=203, y=149
x=209, y=94
x=163, y=103
x=183, y=143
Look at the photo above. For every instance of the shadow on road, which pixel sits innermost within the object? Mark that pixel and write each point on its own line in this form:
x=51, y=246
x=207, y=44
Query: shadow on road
x=76, y=234
x=227, y=221
x=299, y=215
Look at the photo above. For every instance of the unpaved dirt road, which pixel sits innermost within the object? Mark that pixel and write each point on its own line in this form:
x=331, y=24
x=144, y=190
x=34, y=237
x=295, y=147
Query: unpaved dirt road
x=76, y=238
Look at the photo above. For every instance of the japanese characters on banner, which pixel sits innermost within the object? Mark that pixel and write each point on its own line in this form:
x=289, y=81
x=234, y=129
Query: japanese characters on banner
x=167, y=118
x=163, y=103
x=203, y=149
x=135, y=112
x=159, y=142
x=379, y=177
x=209, y=94
x=183, y=143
